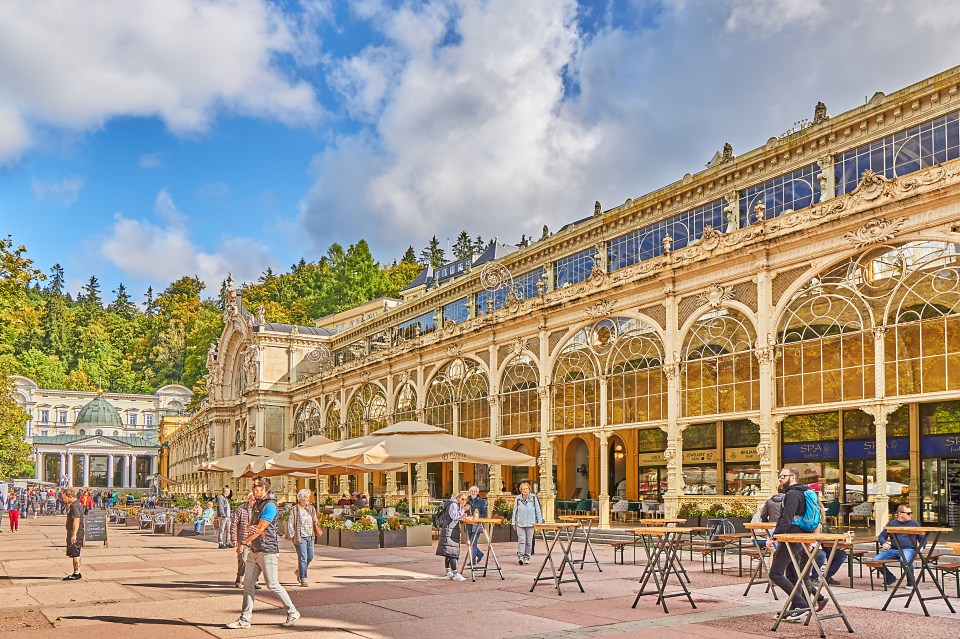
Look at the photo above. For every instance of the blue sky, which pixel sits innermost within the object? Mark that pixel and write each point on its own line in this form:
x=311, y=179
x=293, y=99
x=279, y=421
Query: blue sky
x=142, y=141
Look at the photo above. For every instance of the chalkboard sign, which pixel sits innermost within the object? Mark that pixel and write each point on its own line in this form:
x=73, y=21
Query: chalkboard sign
x=95, y=526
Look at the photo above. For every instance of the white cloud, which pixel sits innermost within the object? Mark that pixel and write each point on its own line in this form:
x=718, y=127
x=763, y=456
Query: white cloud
x=151, y=160
x=65, y=191
x=162, y=254
x=76, y=65
x=213, y=190
x=164, y=206
x=471, y=125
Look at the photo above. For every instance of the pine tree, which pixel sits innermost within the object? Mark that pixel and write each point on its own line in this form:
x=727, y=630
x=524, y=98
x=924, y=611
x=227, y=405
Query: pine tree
x=91, y=292
x=479, y=245
x=122, y=305
x=55, y=285
x=149, y=306
x=410, y=257
x=433, y=254
x=463, y=248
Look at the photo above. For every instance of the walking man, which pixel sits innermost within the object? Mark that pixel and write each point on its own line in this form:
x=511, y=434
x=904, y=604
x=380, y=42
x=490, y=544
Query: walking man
x=264, y=555
x=223, y=518
x=74, y=531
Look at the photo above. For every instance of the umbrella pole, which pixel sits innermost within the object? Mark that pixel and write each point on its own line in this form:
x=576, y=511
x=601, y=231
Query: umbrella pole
x=409, y=491
x=317, y=491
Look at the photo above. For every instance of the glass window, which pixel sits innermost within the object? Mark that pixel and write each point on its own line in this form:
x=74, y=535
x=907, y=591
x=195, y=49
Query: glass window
x=740, y=433
x=331, y=426
x=742, y=479
x=462, y=382
x=132, y=419
x=719, y=373
x=524, y=287
x=652, y=440
x=790, y=192
x=700, y=480
x=44, y=416
x=307, y=422
x=574, y=268
x=520, y=402
x=904, y=152
x=942, y=418
x=367, y=411
x=816, y=427
x=148, y=419
x=406, y=405
x=647, y=242
x=416, y=326
x=62, y=417
x=700, y=436
x=637, y=388
x=456, y=311
x=859, y=425
x=576, y=386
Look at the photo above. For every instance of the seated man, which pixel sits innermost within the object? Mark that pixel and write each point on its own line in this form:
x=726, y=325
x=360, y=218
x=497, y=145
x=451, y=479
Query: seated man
x=889, y=550
x=839, y=556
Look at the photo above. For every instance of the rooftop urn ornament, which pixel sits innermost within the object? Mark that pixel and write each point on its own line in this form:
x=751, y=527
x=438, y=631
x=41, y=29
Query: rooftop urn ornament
x=667, y=243
x=759, y=210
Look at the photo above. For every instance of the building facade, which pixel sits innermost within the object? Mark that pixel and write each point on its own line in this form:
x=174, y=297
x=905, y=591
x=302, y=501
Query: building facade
x=798, y=304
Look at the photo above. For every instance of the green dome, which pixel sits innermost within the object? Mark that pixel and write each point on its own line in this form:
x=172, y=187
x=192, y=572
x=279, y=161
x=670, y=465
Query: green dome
x=99, y=414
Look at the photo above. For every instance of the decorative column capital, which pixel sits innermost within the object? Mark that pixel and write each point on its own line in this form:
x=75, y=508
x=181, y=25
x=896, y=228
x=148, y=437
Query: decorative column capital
x=880, y=412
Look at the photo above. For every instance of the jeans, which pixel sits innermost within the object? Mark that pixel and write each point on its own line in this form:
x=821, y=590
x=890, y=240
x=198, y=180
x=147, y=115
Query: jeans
x=196, y=526
x=471, y=531
x=781, y=566
x=258, y=562
x=223, y=531
x=524, y=540
x=304, y=550
x=906, y=560
x=838, y=558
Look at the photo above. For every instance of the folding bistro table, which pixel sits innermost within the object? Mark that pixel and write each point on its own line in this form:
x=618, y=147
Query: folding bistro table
x=663, y=546
x=915, y=533
x=763, y=553
x=811, y=544
x=562, y=532
x=586, y=521
x=482, y=525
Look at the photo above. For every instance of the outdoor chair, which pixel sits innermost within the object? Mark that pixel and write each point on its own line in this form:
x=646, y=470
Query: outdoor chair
x=619, y=509
x=146, y=521
x=159, y=521
x=203, y=527
x=833, y=513
x=863, y=510
x=947, y=565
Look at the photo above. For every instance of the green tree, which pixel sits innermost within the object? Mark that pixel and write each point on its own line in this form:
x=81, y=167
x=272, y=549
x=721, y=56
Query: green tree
x=149, y=307
x=91, y=293
x=13, y=448
x=479, y=245
x=56, y=282
x=410, y=257
x=463, y=247
x=433, y=254
x=122, y=305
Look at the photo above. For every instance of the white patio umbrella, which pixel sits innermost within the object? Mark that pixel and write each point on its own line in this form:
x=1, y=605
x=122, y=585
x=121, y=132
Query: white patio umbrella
x=234, y=462
x=410, y=443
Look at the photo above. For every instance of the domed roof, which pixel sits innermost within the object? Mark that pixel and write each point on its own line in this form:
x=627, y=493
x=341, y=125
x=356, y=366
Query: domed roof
x=99, y=413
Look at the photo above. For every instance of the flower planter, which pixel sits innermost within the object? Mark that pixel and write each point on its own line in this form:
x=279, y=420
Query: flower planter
x=738, y=523
x=393, y=538
x=421, y=535
x=322, y=537
x=359, y=539
x=503, y=534
x=333, y=536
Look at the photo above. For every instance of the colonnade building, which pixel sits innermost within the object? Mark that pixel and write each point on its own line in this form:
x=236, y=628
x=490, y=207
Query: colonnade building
x=798, y=304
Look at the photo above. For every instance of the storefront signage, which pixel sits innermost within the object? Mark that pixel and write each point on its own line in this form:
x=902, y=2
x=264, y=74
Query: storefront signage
x=700, y=456
x=652, y=459
x=747, y=454
x=867, y=448
x=811, y=451
x=940, y=446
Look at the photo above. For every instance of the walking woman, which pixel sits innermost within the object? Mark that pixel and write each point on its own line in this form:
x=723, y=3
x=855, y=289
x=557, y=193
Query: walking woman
x=526, y=513
x=301, y=526
x=448, y=546
x=13, y=510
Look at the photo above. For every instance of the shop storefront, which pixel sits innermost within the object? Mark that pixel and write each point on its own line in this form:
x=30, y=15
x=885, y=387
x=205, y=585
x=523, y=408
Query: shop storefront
x=653, y=464
x=741, y=461
x=940, y=463
x=700, y=459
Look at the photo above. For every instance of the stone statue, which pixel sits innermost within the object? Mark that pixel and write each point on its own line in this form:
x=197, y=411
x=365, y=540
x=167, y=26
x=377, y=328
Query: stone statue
x=597, y=209
x=820, y=113
x=251, y=364
x=731, y=210
x=546, y=233
x=727, y=154
x=261, y=315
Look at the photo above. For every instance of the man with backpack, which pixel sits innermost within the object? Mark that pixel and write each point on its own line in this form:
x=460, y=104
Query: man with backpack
x=799, y=513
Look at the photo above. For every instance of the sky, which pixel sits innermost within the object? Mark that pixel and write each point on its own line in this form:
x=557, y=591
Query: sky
x=141, y=141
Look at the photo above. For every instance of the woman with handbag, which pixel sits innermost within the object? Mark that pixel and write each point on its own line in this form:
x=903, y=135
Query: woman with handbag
x=301, y=527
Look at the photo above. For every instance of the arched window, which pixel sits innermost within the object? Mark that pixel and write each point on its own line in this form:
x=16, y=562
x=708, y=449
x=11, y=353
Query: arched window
x=405, y=407
x=99, y=432
x=457, y=399
x=922, y=342
x=637, y=388
x=576, y=383
x=520, y=402
x=307, y=422
x=367, y=411
x=719, y=373
x=331, y=425
x=823, y=352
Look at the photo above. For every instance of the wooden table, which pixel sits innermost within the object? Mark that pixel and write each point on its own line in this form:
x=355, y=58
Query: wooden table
x=756, y=576
x=663, y=559
x=562, y=532
x=481, y=525
x=733, y=537
x=915, y=533
x=661, y=522
x=811, y=543
x=586, y=520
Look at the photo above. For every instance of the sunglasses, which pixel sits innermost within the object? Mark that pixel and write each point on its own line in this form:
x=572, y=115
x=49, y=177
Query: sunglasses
x=785, y=476
x=907, y=512
x=256, y=485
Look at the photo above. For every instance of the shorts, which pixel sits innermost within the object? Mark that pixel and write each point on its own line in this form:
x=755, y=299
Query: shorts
x=73, y=550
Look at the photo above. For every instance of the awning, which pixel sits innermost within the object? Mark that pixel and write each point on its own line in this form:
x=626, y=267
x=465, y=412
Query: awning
x=167, y=480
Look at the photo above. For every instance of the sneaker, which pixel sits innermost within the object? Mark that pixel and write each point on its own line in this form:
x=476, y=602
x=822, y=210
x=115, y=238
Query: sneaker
x=291, y=619
x=520, y=559
x=458, y=577
x=821, y=603
x=449, y=574
x=258, y=587
x=237, y=584
x=797, y=615
x=303, y=583
x=526, y=560
x=236, y=625
x=74, y=577
x=832, y=581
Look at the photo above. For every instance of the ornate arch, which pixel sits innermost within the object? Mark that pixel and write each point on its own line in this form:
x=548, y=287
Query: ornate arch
x=307, y=422
x=331, y=422
x=457, y=399
x=719, y=373
x=519, y=396
x=367, y=411
x=405, y=404
x=636, y=384
x=576, y=378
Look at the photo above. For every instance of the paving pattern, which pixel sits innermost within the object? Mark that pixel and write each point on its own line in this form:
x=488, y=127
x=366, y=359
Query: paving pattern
x=146, y=586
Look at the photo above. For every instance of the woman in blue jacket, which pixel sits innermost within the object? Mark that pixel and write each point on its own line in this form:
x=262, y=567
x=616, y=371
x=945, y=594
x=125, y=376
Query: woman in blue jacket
x=526, y=513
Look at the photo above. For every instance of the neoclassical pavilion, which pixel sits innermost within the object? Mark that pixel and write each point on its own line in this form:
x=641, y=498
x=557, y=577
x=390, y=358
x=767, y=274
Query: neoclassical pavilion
x=798, y=304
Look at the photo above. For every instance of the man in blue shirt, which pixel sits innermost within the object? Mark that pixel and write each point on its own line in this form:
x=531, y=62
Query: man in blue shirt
x=478, y=508
x=261, y=538
x=908, y=550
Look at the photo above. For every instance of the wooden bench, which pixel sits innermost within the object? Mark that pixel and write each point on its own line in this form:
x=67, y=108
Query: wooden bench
x=877, y=565
x=618, y=548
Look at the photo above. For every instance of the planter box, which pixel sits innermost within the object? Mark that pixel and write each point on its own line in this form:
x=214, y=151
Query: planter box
x=421, y=535
x=393, y=538
x=322, y=537
x=738, y=523
x=503, y=534
x=360, y=540
x=333, y=536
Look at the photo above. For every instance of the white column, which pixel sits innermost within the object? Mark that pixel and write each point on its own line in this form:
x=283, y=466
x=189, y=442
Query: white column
x=133, y=471
x=110, y=470
x=604, y=495
x=125, y=477
x=86, y=469
x=63, y=466
x=70, y=469
x=38, y=470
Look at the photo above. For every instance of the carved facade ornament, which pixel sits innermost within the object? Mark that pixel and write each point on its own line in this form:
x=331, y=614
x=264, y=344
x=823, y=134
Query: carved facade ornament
x=519, y=344
x=600, y=309
x=875, y=231
x=879, y=332
x=727, y=154
x=760, y=211
x=597, y=209
x=763, y=450
x=710, y=239
x=364, y=376
x=880, y=412
x=764, y=354
x=261, y=315
x=731, y=210
x=715, y=295
x=453, y=350
x=671, y=370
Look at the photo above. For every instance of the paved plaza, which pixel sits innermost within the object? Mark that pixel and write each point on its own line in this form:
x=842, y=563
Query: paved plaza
x=147, y=586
